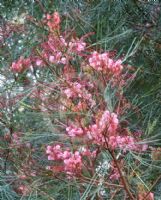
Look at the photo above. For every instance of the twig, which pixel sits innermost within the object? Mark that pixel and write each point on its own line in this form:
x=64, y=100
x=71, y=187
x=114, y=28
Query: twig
x=112, y=197
x=124, y=182
x=156, y=181
x=106, y=183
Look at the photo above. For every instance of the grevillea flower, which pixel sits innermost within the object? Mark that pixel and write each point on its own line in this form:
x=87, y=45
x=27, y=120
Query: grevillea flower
x=54, y=152
x=73, y=164
x=126, y=143
x=74, y=131
x=110, y=121
x=76, y=46
x=69, y=93
x=78, y=90
x=102, y=62
x=57, y=58
x=53, y=21
x=20, y=65
x=39, y=62
x=106, y=127
x=94, y=134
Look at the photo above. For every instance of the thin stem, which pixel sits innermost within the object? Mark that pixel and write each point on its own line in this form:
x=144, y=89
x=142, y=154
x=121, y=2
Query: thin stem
x=124, y=182
x=106, y=183
x=156, y=181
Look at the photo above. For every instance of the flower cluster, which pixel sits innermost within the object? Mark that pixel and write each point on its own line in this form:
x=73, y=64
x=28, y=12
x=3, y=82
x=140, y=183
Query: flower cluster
x=126, y=143
x=73, y=164
x=110, y=120
x=102, y=62
x=74, y=131
x=52, y=51
x=76, y=90
x=106, y=126
x=21, y=65
x=76, y=45
x=53, y=21
x=58, y=50
x=72, y=161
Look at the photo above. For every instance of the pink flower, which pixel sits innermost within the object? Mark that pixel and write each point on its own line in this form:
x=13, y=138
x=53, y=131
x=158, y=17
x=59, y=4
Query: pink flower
x=24, y=190
x=66, y=154
x=69, y=93
x=54, y=152
x=57, y=58
x=56, y=18
x=39, y=62
x=113, y=142
x=73, y=164
x=74, y=131
x=95, y=61
x=110, y=121
x=94, y=133
x=20, y=65
x=76, y=46
x=113, y=123
x=52, y=59
x=102, y=62
x=76, y=90
x=48, y=17
x=53, y=21
x=104, y=120
x=63, y=60
x=126, y=143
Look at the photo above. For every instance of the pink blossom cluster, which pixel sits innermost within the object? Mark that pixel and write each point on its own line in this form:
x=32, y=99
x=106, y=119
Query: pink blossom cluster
x=74, y=131
x=20, y=65
x=53, y=21
x=57, y=50
x=102, y=62
x=105, y=132
x=52, y=51
x=109, y=120
x=76, y=45
x=106, y=127
x=72, y=161
x=57, y=58
x=54, y=152
x=94, y=134
x=108, y=124
x=126, y=143
x=78, y=90
x=73, y=164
